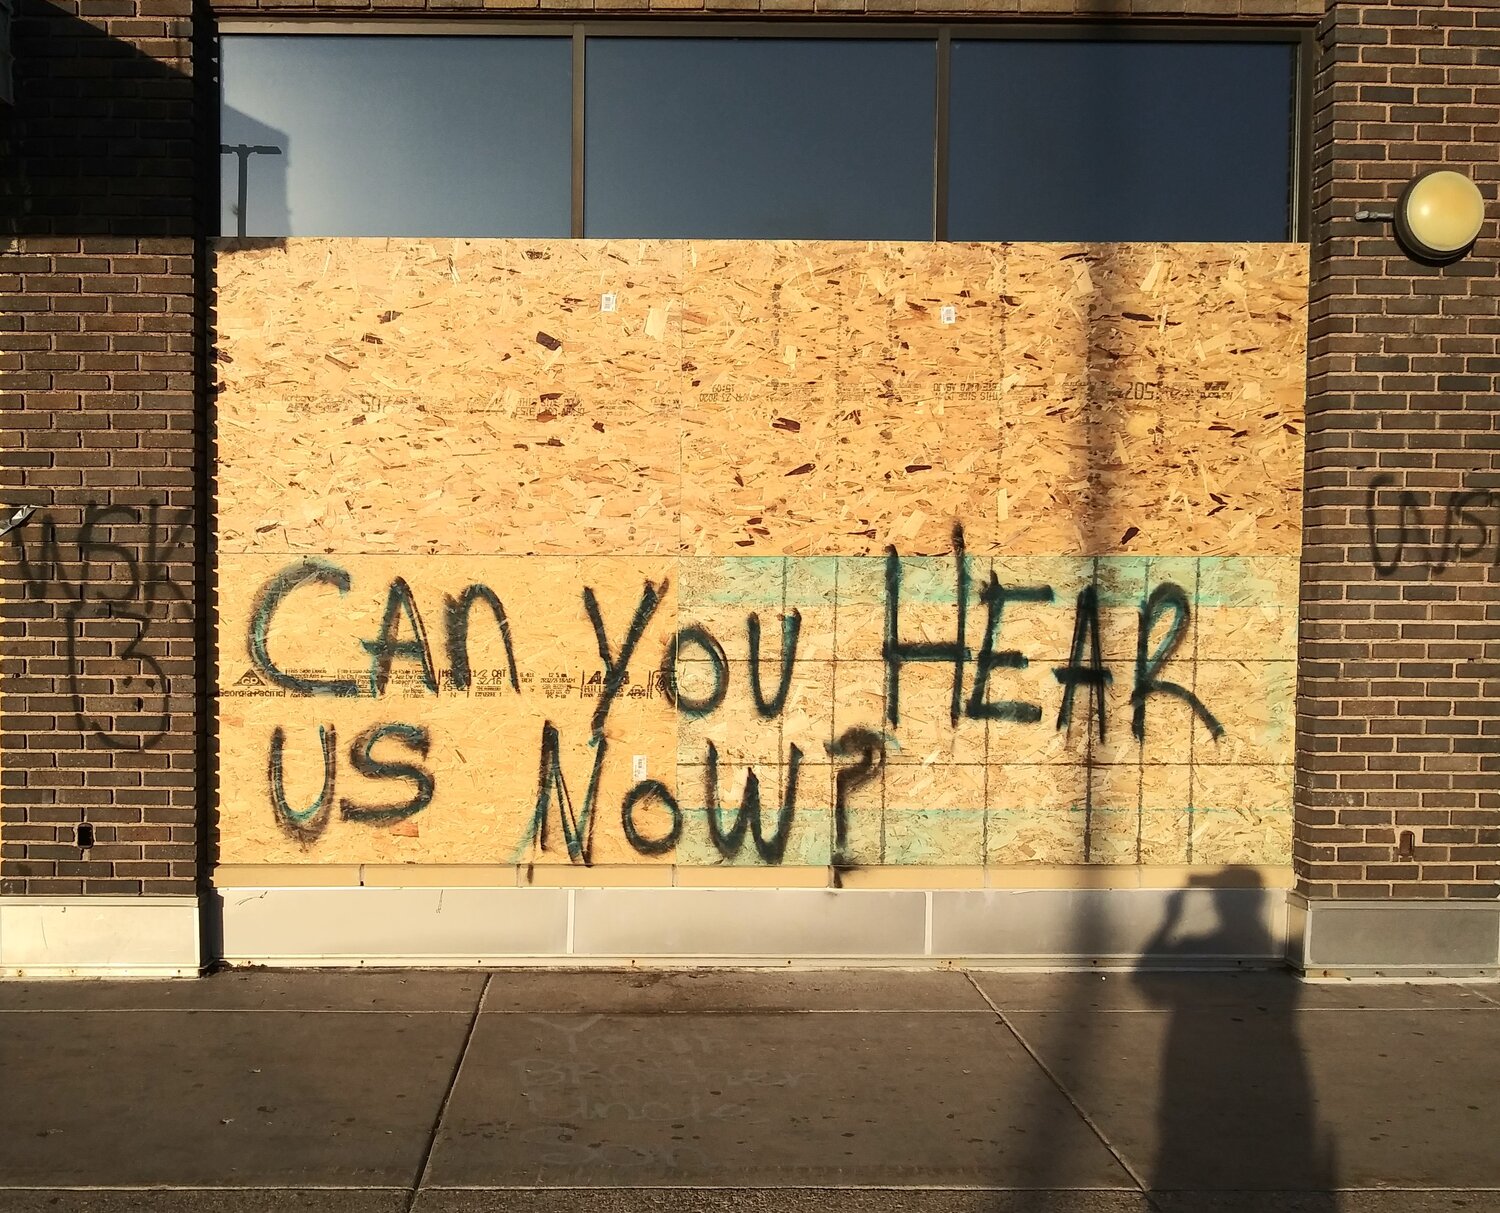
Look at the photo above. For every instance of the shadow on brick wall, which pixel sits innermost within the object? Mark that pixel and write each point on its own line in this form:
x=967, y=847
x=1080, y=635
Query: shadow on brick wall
x=103, y=138
x=106, y=193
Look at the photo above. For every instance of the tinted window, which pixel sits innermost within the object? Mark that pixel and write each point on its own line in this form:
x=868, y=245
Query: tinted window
x=744, y=138
x=1119, y=141
x=396, y=136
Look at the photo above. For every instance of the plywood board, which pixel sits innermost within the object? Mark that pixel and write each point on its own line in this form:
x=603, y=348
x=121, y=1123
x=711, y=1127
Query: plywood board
x=472, y=397
x=728, y=439
x=302, y=644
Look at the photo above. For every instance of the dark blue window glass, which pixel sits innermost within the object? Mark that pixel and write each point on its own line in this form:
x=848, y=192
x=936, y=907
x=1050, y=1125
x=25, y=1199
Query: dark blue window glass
x=759, y=138
x=1120, y=140
x=395, y=136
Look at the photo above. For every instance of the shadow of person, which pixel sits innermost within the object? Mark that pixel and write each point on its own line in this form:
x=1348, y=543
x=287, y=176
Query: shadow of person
x=1236, y=1111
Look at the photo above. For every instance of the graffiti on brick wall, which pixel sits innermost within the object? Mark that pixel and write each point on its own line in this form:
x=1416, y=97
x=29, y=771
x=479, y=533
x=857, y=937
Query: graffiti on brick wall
x=1461, y=525
x=113, y=593
x=1116, y=662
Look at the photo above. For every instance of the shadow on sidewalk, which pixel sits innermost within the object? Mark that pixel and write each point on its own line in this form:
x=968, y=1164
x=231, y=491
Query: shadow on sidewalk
x=1236, y=1109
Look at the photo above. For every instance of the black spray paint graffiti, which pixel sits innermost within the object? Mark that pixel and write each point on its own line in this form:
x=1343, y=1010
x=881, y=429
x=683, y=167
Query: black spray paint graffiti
x=651, y=818
x=384, y=650
x=867, y=749
x=115, y=594
x=1085, y=661
x=307, y=824
x=729, y=842
x=1460, y=531
x=1078, y=672
x=552, y=786
x=1163, y=599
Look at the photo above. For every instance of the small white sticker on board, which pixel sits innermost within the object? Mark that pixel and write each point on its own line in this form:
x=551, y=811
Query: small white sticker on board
x=607, y=301
x=948, y=314
x=638, y=767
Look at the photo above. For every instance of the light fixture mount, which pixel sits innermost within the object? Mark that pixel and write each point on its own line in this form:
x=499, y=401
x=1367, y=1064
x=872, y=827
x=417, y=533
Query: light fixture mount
x=1437, y=217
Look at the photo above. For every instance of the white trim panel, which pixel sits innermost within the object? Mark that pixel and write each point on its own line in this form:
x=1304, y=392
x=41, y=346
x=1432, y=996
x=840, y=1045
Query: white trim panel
x=99, y=937
x=817, y=924
x=1396, y=939
x=342, y=926
x=391, y=926
x=1208, y=925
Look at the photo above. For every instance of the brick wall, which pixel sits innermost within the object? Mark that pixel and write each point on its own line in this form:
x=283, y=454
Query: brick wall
x=102, y=323
x=101, y=341
x=1398, y=789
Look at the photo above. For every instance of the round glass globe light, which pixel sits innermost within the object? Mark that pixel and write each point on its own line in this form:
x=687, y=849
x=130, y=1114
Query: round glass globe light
x=1440, y=214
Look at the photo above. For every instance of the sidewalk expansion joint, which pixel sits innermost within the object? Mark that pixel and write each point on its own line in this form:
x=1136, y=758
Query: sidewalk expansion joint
x=437, y=1122
x=1065, y=1093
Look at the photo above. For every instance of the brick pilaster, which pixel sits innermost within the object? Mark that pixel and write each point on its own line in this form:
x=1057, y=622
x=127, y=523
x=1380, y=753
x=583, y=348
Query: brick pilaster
x=101, y=339
x=1398, y=771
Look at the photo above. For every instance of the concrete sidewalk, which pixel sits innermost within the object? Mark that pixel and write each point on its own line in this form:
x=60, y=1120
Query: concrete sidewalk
x=945, y=1092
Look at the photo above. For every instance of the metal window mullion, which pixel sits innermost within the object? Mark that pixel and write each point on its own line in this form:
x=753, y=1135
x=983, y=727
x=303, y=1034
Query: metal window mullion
x=1299, y=201
x=575, y=227
x=940, y=138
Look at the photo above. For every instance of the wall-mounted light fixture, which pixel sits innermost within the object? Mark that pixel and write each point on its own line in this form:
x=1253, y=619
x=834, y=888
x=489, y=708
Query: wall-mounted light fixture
x=1437, y=217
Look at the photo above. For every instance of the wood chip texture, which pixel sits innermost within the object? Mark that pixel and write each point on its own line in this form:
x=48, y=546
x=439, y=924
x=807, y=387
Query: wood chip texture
x=1022, y=520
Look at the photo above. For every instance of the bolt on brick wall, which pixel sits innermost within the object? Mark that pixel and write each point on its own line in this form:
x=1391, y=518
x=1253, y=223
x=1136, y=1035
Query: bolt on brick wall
x=1398, y=782
x=100, y=332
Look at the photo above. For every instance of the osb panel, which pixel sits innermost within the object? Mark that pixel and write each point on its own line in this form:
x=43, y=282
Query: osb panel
x=449, y=396
x=484, y=750
x=810, y=398
x=747, y=427
x=943, y=792
x=1153, y=399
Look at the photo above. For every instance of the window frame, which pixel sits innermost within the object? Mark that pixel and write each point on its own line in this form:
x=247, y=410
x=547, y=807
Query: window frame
x=1298, y=37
